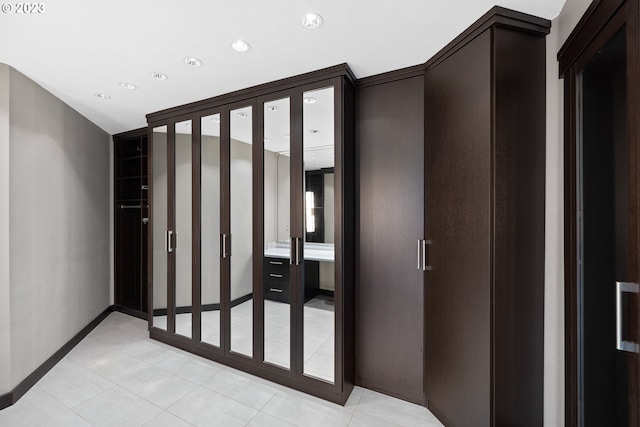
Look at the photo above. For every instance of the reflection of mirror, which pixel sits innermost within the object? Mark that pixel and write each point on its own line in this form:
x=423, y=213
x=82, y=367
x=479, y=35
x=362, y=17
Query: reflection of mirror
x=277, y=312
x=159, y=218
x=210, y=229
x=319, y=272
x=183, y=228
x=240, y=245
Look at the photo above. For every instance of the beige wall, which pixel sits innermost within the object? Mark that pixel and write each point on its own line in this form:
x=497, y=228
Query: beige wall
x=554, y=248
x=59, y=209
x=5, y=308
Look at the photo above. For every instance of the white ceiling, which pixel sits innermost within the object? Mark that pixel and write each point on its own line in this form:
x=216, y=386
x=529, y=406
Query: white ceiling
x=77, y=48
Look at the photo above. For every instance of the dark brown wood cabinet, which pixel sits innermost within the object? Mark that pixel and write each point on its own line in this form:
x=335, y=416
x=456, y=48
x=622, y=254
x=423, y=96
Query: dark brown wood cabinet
x=130, y=228
x=484, y=218
x=390, y=162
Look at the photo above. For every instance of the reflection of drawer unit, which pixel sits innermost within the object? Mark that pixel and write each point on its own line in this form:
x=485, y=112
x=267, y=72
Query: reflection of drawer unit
x=276, y=279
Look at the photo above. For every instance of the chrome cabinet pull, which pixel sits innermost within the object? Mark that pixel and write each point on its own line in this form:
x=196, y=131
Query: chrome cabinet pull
x=275, y=262
x=225, y=251
x=298, y=249
x=168, y=242
x=423, y=254
x=276, y=290
x=277, y=276
x=621, y=344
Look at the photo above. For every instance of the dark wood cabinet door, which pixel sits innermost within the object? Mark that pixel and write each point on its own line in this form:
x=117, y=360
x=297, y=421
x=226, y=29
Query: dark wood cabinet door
x=389, y=336
x=458, y=223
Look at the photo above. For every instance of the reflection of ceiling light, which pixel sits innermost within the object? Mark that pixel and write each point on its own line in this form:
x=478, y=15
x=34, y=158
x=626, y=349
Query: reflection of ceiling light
x=314, y=131
x=266, y=140
x=188, y=125
x=286, y=135
x=158, y=76
x=215, y=119
x=316, y=165
x=312, y=21
x=102, y=96
x=309, y=100
x=240, y=46
x=193, y=62
x=243, y=114
x=128, y=86
x=273, y=108
x=314, y=157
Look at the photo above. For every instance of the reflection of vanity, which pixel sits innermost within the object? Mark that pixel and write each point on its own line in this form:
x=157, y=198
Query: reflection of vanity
x=277, y=266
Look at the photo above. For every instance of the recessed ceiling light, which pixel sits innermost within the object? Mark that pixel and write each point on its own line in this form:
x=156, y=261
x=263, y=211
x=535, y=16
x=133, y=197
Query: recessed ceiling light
x=273, y=108
x=158, y=76
x=128, y=86
x=215, y=119
x=192, y=62
x=309, y=100
x=312, y=21
x=102, y=95
x=243, y=114
x=240, y=46
x=314, y=131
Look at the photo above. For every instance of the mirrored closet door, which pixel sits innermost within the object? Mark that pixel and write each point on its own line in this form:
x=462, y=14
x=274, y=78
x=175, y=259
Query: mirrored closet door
x=252, y=260
x=276, y=233
x=210, y=230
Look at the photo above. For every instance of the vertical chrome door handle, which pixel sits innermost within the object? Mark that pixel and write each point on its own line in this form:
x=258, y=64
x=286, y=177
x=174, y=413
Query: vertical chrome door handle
x=294, y=256
x=168, y=243
x=298, y=257
x=225, y=250
x=621, y=344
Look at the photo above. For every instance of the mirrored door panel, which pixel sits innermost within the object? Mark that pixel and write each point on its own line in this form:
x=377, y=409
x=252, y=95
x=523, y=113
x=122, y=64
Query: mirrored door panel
x=277, y=210
x=210, y=229
x=319, y=220
x=182, y=241
x=240, y=244
x=160, y=226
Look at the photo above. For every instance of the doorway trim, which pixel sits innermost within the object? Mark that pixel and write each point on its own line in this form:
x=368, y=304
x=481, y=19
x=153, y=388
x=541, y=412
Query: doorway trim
x=599, y=23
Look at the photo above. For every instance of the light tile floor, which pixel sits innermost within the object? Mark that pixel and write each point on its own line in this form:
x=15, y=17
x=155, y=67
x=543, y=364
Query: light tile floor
x=117, y=376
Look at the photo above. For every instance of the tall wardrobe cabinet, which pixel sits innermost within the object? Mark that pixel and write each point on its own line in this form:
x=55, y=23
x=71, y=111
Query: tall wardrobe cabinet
x=251, y=213
x=484, y=223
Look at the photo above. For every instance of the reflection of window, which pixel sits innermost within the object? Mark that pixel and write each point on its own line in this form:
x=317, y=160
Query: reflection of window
x=311, y=219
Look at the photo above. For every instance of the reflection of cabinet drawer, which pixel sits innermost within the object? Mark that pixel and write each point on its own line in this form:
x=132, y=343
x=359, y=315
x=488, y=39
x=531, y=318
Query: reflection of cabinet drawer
x=276, y=279
x=276, y=269
x=277, y=291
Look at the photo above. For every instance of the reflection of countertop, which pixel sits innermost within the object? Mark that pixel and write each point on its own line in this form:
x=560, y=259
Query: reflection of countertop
x=312, y=251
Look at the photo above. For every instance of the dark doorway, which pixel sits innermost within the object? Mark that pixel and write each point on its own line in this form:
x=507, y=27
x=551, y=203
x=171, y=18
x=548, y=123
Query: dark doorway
x=605, y=246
